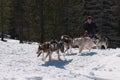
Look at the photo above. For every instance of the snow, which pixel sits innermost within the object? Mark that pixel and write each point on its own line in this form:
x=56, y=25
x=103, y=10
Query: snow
x=20, y=62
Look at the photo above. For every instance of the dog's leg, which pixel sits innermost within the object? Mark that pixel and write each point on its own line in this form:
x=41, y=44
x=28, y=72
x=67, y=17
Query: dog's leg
x=107, y=43
x=105, y=46
x=49, y=55
x=89, y=49
x=64, y=56
x=97, y=47
x=81, y=48
x=58, y=55
x=45, y=57
x=39, y=54
x=63, y=53
x=97, y=44
x=66, y=49
x=70, y=47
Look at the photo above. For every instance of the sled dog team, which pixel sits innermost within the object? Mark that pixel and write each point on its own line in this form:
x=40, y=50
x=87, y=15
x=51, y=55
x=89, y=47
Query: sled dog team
x=66, y=43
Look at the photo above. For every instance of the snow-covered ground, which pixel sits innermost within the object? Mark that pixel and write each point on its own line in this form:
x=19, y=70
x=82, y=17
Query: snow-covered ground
x=19, y=62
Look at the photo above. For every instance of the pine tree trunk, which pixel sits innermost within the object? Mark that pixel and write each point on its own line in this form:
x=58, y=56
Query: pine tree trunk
x=2, y=32
x=42, y=20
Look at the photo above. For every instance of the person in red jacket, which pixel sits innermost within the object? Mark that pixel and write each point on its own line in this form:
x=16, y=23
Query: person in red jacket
x=90, y=28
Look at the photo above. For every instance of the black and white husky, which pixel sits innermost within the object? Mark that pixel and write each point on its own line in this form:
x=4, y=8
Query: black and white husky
x=67, y=43
x=101, y=41
x=49, y=47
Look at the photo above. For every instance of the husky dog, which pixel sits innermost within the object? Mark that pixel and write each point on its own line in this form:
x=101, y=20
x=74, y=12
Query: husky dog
x=67, y=42
x=44, y=48
x=49, y=48
x=84, y=43
x=101, y=41
x=57, y=46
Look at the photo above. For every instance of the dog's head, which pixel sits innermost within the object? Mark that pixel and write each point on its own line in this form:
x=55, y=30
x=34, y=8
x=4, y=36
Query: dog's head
x=40, y=49
x=66, y=39
x=43, y=47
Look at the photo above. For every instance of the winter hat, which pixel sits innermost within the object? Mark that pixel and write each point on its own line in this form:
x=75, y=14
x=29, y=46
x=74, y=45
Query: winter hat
x=89, y=17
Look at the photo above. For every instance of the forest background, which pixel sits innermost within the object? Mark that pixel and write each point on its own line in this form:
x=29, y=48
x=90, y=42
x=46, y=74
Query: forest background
x=43, y=20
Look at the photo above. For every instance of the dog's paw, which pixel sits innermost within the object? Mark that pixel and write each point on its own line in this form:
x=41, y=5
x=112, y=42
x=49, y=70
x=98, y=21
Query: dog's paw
x=43, y=59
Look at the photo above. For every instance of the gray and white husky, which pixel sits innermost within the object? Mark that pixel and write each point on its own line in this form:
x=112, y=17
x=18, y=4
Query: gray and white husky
x=84, y=43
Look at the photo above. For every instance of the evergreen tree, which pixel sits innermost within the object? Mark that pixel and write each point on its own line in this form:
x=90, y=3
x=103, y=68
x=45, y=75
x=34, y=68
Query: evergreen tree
x=117, y=11
x=17, y=18
x=4, y=16
x=103, y=12
x=2, y=28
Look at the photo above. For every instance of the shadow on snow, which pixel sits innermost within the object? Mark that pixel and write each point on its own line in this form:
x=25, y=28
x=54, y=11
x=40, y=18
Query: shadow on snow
x=57, y=63
x=71, y=54
x=88, y=54
x=35, y=78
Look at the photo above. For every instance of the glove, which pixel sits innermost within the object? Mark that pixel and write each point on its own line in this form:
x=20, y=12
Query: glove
x=85, y=33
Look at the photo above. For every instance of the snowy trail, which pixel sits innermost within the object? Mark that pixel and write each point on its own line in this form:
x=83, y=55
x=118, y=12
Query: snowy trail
x=19, y=62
